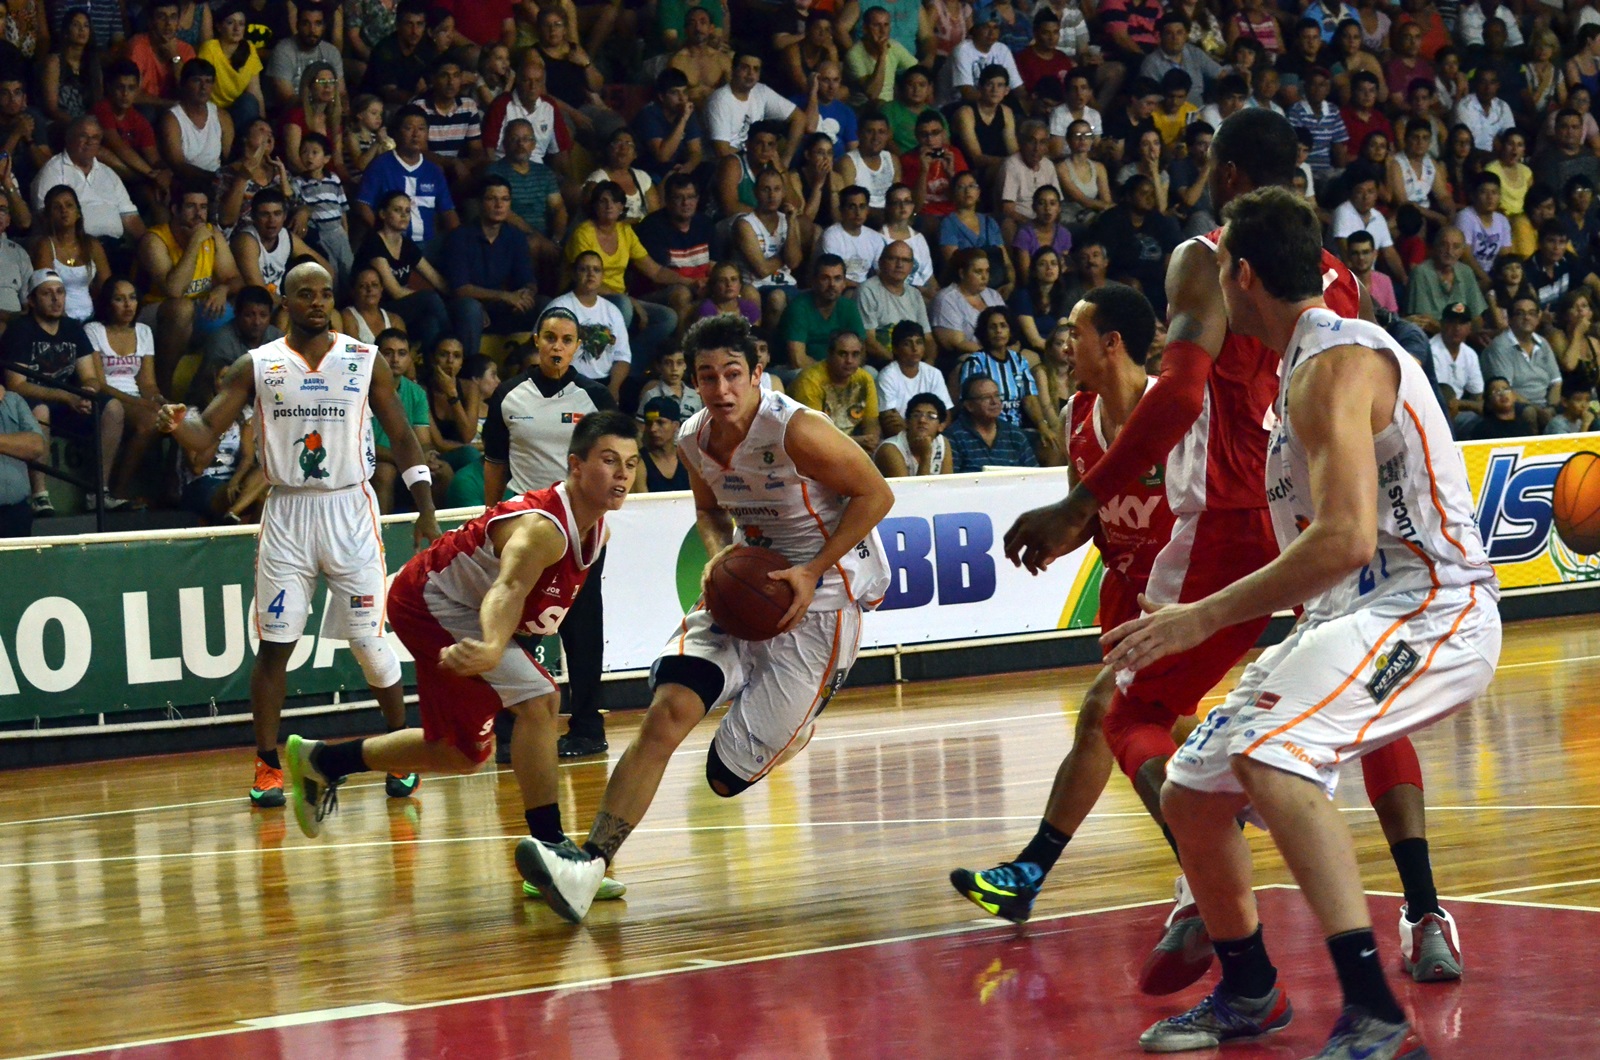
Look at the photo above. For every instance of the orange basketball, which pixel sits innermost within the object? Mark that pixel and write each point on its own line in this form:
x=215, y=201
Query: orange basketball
x=1577, y=503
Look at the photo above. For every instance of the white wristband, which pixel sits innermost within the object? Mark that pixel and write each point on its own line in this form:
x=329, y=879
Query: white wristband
x=416, y=473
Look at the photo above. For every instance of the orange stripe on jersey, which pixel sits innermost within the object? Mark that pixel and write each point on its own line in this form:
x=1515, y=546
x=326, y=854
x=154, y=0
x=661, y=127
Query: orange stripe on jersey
x=822, y=528
x=1433, y=481
x=1394, y=697
x=827, y=677
x=377, y=532
x=1349, y=678
x=1433, y=572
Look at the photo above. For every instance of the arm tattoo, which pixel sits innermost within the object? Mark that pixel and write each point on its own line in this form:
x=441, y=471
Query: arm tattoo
x=608, y=834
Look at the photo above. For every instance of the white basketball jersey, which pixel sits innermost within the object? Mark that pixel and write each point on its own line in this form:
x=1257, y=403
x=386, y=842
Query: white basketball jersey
x=316, y=432
x=1427, y=536
x=776, y=507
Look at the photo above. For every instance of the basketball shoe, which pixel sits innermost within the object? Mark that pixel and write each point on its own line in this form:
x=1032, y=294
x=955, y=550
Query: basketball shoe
x=567, y=876
x=311, y=795
x=1006, y=891
x=267, y=791
x=1219, y=1018
x=1358, y=1035
x=399, y=786
x=1184, y=952
x=610, y=890
x=1430, y=951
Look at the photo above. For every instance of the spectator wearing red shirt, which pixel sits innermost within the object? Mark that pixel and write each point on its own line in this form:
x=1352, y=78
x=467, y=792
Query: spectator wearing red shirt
x=159, y=55
x=484, y=22
x=130, y=139
x=551, y=139
x=1362, y=117
x=1042, y=58
x=1408, y=65
x=931, y=170
x=1132, y=25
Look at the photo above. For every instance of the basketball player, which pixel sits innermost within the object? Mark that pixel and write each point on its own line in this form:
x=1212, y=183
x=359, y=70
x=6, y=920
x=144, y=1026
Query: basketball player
x=765, y=471
x=1207, y=416
x=1372, y=509
x=311, y=391
x=471, y=609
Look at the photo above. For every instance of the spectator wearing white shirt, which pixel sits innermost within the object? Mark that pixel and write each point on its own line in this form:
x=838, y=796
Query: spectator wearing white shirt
x=908, y=375
x=1456, y=369
x=978, y=52
x=1080, y=94
x=850, y=239
x=743, y=101
x=108, y=211
x=1486, y=228
x=1484, y=112
x=1360, y=214
x=604, y=353
x=888, y=299
x=1469, y=23
x=1024, y=173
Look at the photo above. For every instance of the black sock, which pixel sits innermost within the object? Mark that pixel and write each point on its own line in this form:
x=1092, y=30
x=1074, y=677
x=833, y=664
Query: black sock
x=1355, y=958
x=1045, y=846
x=544, y=823
x=269, y=757
x=1416, y=877
x=595, y=852
x=1171, y=842
x=1247, y=971
x=338, y=760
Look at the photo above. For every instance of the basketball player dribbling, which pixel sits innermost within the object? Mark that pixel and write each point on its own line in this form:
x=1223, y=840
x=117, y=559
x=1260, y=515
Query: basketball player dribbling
x=766, y=471
x=471, y=609
x=1208, y=417
x=311, y=391
x=1371, y=507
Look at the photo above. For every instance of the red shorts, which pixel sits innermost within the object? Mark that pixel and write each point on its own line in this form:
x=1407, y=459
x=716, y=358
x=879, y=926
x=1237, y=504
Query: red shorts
x=1207, y=552
x=458, y=710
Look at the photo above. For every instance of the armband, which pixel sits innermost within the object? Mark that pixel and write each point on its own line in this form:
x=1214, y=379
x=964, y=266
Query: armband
x=416, y=473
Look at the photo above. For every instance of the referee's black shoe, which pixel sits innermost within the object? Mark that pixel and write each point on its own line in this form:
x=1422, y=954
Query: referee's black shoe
x=573, y=745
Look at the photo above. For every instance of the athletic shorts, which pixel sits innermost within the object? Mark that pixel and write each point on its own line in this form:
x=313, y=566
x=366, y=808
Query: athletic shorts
x=776, y=687
x=1341, y=688
x=459, y=710
x=1208, y=551
x=334, y=533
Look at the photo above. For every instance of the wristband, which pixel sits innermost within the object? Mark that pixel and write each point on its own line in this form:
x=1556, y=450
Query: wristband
x=416, y=473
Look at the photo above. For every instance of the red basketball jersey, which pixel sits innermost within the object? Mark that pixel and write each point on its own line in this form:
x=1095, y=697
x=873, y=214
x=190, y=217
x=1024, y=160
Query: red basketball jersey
x=1222, y=461
x=463, y=564
x=1134, y=524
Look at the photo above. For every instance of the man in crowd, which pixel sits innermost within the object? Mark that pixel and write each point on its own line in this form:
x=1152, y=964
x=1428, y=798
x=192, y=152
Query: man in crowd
x=980, y=438
x=1523, y=357
x=887, y=299
x=491, y=270
x=842, y=390
x=108, y=210
x=813, y=317
x=1456, y=369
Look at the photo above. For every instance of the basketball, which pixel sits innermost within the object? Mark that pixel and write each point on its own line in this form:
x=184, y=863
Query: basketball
x=742, y=599
x=1577, y=503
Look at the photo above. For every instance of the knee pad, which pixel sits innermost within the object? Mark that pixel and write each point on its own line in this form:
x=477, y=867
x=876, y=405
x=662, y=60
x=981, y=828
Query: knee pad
x=378, y=661
x=700, y=676
x=722, y=780
x=1389, y=767
x=1137, y=733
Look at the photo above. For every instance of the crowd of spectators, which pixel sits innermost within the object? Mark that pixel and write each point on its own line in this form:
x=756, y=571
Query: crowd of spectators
x=906, y=196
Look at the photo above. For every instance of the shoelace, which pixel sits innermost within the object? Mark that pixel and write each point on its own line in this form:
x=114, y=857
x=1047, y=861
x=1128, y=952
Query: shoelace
x=1008, y=875
x=1214, y=1011
x=329, y=802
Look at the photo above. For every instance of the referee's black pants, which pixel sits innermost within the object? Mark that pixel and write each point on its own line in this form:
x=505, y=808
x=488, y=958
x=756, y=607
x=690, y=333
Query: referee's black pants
x=583, y=638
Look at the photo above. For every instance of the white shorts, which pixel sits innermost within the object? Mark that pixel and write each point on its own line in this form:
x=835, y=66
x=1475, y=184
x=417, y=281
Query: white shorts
x=777, y=687
x=1338, y=689
x=334, y=533
x=516, y=677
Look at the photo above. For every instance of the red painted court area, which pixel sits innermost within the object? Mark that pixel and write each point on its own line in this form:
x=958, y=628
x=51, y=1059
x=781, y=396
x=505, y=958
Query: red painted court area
x=1531, y=986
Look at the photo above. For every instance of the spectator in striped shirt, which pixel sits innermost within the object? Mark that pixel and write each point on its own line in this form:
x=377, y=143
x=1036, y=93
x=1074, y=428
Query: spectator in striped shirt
x=1330, y=141
x=323, y=195
x=1019, y=392
x=979, y=438
x=455, y=124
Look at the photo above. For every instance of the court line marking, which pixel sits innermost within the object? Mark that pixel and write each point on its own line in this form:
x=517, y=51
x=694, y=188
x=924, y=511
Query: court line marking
x=611, y=760
x=1535, y=887
x=972, y=927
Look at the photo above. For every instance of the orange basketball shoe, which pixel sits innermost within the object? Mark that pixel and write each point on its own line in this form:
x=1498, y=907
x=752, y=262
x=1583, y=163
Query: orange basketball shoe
x=267, y=791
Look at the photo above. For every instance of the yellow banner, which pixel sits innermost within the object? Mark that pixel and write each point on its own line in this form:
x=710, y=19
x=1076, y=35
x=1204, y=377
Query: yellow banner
x=1513, y=485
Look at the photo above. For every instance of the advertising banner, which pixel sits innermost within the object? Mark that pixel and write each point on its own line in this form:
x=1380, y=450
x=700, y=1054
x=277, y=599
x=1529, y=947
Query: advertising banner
x=101, y=626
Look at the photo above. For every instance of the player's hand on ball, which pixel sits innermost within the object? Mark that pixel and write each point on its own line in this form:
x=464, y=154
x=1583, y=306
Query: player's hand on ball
x=169, y=416
x=804, y=584
x=1041, y=536
x=705, y=575
x=1165, y=629
x=468, y=658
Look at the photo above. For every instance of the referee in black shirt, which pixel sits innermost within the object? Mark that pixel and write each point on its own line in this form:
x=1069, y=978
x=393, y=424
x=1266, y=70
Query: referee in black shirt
x=525, y=436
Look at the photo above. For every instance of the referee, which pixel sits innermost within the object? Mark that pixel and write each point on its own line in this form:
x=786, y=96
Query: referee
x=525, y=435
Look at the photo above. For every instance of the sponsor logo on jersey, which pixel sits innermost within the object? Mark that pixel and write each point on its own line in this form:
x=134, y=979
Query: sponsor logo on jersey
x=1266, y=701
x=767, y=457
x=302, y=412
x=1392, y=667
x=1155, y=476
x=1281, y=490
x=746, y=512
x=352, y=347
x=312, y=456
x=569, y=417
x=276, y=380
x=353, y=387
x=1131, y=512
x=313, y=384
x=735, y=484
x=362, y=601
x=1299, y=753
x=774, y=483
x=552, y=590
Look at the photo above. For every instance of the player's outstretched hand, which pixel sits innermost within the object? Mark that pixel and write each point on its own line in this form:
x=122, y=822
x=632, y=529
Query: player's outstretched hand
x=169, y=416
x=705, y=575
x=1164, y=629
x=1043, y=535
x=426, y=531
x=468, y=658
x=804, y=584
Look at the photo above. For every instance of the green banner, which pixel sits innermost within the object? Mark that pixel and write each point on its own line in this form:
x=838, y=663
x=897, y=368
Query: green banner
x=97, y=627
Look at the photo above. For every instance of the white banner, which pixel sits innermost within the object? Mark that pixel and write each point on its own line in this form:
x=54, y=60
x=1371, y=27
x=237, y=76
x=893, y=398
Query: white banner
x=944, y=539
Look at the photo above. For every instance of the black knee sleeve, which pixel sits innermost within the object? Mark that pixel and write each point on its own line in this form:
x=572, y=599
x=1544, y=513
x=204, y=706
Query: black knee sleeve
x=700, y=676
x=723, y=781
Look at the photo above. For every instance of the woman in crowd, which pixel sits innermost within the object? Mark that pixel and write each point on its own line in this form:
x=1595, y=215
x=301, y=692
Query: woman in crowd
x=238, y=63
x=318, y=112
x=1041, y=305
x=365, y=318
x=389, y=251
x=1576, y=341
x=608, y=235
x=812, y=189
x=955, y=310
x=73, y=253
x=1084, y=180
x=641, y=196
x=127, y=354
x=1461, y=163
x=969, y=229
x=1146, y=163
x=70, y=81
x=255, y=167
x=1516, y=178
x=725, y=293
x=1044, y=232
x=1054, y=375
x=899, y=217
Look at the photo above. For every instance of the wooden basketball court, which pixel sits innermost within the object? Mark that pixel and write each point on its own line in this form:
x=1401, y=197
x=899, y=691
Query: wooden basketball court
x=145, y=902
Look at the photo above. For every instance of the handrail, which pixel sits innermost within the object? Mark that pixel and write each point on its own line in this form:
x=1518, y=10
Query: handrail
x=98, y=399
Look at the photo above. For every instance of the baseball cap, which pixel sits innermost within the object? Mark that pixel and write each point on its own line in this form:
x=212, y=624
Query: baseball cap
x=661, y=408
x=1455, y=313
x=38, y=278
